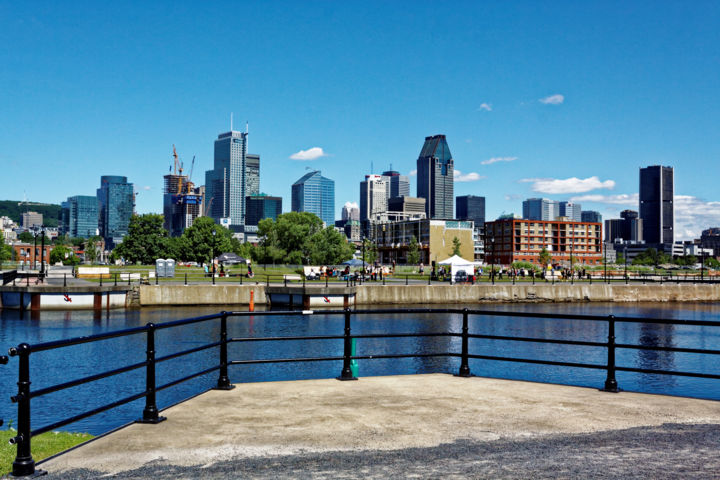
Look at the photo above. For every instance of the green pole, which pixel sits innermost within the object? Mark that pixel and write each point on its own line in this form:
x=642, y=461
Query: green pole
x=353, y=362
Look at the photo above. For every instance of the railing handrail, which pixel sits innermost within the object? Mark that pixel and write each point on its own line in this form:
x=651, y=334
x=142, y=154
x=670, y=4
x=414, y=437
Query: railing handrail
x=24, y=465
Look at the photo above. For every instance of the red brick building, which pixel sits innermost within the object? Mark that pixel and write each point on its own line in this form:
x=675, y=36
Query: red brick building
x=28, y=254
x=521, y=240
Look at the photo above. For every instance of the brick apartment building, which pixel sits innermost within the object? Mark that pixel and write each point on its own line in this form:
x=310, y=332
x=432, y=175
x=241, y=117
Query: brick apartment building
x=513, y=240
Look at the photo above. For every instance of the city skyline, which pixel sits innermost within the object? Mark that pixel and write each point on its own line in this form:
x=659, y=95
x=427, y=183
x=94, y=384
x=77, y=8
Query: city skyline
x=562, y=101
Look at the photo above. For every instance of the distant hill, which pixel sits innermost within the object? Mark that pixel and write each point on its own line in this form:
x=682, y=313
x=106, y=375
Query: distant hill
x=10, y=208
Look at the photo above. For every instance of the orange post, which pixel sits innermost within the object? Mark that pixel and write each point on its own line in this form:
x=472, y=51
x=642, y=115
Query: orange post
x=252, y=300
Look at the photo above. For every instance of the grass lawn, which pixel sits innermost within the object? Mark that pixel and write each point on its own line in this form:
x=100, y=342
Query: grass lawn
x=43, y=446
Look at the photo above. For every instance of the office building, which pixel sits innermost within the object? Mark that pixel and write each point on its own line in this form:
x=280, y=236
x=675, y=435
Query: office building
x=470, y=207
x=373, y=196
x=540, y=209
x=434, y=237
x=260, y=206
x=435, y=177
x=116, y=204
x=710, y=238
x=572, y=211
x=628, y=228
x=657, y=188
x=315, y=194
x=350, y=211
x=591, y=216
x=182, y=204
x=79, y=216
x=407, y=205
x=512, y=240
x=235, y=176
x=31, y=219
x=398, y=185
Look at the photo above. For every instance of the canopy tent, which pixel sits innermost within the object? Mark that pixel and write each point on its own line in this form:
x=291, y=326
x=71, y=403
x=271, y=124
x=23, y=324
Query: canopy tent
x=459, y=264
x=230, y=258
x=354, y=262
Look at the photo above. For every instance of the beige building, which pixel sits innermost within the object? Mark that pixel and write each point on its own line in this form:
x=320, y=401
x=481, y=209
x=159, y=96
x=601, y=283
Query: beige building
x=434, y=237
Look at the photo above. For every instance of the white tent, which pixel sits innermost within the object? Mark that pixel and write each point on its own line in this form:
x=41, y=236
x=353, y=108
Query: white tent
x=459, y=264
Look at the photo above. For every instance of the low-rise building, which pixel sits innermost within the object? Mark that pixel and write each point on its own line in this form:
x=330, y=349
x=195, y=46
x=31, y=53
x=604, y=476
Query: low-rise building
x=512, y=240
x=435, y=239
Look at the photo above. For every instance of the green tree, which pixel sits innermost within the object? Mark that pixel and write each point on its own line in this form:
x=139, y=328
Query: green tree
x=712, y=263
x=289, y=238
x=651, y=257
x=619, y=259
x=545, y=257
x=456, y=246
x=329, y=247
x=413, y=255
x=5, y=251
x=26, y=237
x=370, y=251
x=64, y=255
x=146, y=240
x=199, y=243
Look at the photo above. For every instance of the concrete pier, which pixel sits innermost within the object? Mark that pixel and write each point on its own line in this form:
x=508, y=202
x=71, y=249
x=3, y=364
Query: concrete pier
x=411, y=426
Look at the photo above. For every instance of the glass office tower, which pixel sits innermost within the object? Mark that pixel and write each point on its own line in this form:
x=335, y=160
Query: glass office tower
x=315, y=194
x=116, y=203
x=657, y=187
x=260, y=206
x=471, y=207
x=435, y=177
x=80, y=216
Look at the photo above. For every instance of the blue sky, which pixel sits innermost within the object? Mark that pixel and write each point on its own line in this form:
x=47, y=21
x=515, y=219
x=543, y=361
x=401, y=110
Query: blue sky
x=561, y=92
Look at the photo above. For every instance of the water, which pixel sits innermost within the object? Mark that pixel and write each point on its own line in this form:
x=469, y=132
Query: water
x=52, y=367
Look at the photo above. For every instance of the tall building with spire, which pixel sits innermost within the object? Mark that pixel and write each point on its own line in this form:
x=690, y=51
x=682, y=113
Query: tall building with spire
x=435, y=172
x=235, y=176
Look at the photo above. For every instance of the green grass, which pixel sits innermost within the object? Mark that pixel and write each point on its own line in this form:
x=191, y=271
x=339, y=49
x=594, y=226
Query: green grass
x=43, y=446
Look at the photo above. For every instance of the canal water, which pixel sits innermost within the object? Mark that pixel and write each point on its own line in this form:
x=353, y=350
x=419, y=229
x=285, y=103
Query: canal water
x=52, y=367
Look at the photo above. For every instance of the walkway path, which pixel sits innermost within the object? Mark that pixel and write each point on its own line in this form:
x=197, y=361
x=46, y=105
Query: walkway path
x=422, y=426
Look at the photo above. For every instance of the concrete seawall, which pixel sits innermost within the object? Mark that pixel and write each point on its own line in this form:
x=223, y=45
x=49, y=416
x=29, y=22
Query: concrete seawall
x=152, y=295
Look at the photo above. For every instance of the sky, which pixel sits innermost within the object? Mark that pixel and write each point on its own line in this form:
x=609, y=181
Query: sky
x=563, y=100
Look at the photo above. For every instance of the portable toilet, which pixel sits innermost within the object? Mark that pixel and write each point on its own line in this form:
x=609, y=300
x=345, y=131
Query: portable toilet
x=160, y=268
x=170, y=268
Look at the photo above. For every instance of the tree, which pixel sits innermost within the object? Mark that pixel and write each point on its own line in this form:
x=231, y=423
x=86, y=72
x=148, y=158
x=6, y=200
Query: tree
x=64, y=255
x=651, y=257
x=370, y=251
x=413, y=255
x=329, y=247
x=5, y=252
x=90, y=252
x=619, y=258
x=545, y=257
x=456, y=246
x=26, y=237
x=146, y=240
x=199, y=243
x=712, y=263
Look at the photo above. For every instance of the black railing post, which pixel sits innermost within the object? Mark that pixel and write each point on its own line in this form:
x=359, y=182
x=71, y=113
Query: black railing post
x=157, y=278
x=223, y=380
x=65, y=280
x=610, y=382
x=285, y=280
x=346, y=373
x=186, y=278
x=383, y=277
x=406, y=279
x=150, y=413
x=429, y=279
x=129, y=278
x=241, y=277
x=212, y=273
x=116, y=279
x=267, y=280
x=464, y=366
x=24, y=465
x=101, y=275
x=326, y=280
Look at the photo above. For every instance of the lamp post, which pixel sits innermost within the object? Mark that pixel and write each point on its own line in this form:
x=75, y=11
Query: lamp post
x=572, y=269
x=625, y=255
x=605, y=259
x=492, y=270
x=702, y=266
x=34, y=256
x=212, y=255
x=42, y=252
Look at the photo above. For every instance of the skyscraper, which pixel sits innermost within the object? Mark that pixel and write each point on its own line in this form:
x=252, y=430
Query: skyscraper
x=80, y=216
x=315, y=194
x=435, y=174
x=116, y=202
x=373, y=196
x=657, y=188
x=350, y=211
x=398, y=185
x=471, y=207
x=571, y=210
x=591, y=216
x=540, y=209
x=236, y=175
x=260, y=206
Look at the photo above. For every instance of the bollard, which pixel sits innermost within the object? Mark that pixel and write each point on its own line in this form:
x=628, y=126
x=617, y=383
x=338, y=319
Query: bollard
x=346, y=373
x=610, y=382
x=150, y=412
x=252, y=301
x=23, y=465
x=223, y=380
x=464, y=366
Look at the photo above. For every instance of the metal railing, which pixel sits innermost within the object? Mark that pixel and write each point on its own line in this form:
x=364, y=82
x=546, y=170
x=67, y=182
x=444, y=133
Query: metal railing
x=24, y=465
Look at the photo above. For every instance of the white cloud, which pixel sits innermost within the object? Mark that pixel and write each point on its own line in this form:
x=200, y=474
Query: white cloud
x=310, y=154
x=412, y=173
x=513, y=196
x=556, y=99
x=568, y=185
x=498, y=159
x=486, y=107
x=619, y=199
x=147, y=187
x=350, y=205
x=458, y=176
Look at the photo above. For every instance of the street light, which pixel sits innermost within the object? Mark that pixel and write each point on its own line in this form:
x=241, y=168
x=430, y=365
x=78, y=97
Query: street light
x=212, y=255
x=702, y=266
x=625, y=255
x=34, y=255
x=572, y=269
x=492, y=270
x=42, y=252
x=604, y=247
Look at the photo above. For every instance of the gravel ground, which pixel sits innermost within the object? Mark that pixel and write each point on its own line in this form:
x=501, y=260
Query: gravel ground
x=667, y=451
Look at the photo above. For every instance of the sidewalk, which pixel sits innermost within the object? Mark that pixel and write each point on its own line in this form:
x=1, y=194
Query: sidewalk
x=426, y=426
